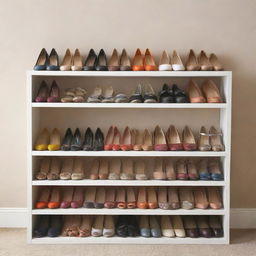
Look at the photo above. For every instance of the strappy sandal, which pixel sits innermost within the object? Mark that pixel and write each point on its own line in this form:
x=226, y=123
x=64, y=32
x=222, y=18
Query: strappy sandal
x=55, y=167
x=115, y=169
x=44, y=169
x=149, y=95
x=121, y=98
x=79, y=95
x=127, y=170
x=108, y=95
x=86, y=226
x=71, y=225
x=69, y=95
x=96, y=96
x=137, y=95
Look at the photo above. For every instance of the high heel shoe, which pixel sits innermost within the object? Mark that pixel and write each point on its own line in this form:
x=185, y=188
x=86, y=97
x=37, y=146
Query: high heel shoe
x=127, y=170
x=173, y=139
x=215, y=62
x=192, y=62
x=203, y=170
x=121, y=198
x=215, y=170
x=67, y=169
x=170, y=170
x=186, y=198
x=108, y=145
x=154, y=227
x=100, y=198
x=78, y=198
x=195, y=93
x=43, y=198
x=204, y=62
x=103, y=169
x=159, y=172
x=86, y=226
x=42, y=60
x=190, y=226
x=137, y=95
x=76, y=143
x=166, y=226
x=178, y=226
x=203, y=226
x=149, y=63
x=131, y=199
x=215, y=225
x=88, y=140
x=166, y=95
x=66, y=62
x=181, y=168
x=126, y=141
x=90, y=62
x=138, y=64
x=77, y=64
x=55, y=226
x=177, y=64
x=214, y=197
x=108, y=96
x=97, y=227
x=116, y=140
x=149, y=95
x=42, y=226
x=144, y=226
x=54, y=172
x=109, y=226
x=152, y=198
x=54, y=143
x=142, y=201
x=98, y=140
x=66, y=143
x=71, y=225
x=162, y=198
x=54, y=201
x=115, y=169
x=204, y=140
x=43, y=140
x=147, y=144
x=90, y=197
x=216, y=139
x=132, y=226
x=125, y=63
x=67, y=195
x=114, y=62
x=110, y=201
x=94, y=172
x=139, y=168
x=179, y=94
x=78, y=169
x=54, y=95
x=138, y=140
x=42, y=93
x=160, y=143
x=43, y=169
x=201, y=201
x=192, y=170
x=165, y=62
x=188, y=139
x=211, y=92
x=53, y=63
x=173, y=198
x=101, y=63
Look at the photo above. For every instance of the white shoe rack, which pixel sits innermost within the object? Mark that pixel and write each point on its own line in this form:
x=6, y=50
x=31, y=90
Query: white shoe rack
x=140, y=116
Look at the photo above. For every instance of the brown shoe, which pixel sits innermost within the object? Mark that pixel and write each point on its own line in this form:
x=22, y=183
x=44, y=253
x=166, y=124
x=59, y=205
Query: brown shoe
x=192, y=62
x=204, y=62
x=201, y=200
x=195, y=94
x=215, y=62
x=211, y=92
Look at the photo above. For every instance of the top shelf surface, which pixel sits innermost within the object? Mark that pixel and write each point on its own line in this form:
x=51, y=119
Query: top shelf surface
x=131, y=73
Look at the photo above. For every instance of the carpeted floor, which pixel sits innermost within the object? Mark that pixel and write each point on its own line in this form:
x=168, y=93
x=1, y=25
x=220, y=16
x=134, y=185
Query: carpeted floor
x=13, y=243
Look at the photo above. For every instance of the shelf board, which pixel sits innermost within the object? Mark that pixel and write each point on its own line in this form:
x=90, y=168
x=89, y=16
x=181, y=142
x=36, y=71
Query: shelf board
x=116, y=211
x=131, y=73
x=127, y=240
x=132, y=105
x=126, y=183
x=131, y=153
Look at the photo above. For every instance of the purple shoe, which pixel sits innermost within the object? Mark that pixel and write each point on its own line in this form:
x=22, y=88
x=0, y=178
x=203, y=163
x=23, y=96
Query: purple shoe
x=42, y=92
x=54, y=95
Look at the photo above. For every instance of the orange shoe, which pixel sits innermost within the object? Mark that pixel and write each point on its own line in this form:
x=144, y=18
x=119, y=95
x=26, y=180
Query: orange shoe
x=149, y=63
x=54, y=201
x=138, y=61
x=43, y=198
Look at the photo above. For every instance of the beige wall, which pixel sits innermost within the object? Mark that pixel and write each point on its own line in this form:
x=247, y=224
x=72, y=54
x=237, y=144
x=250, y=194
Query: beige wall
x=225, y=27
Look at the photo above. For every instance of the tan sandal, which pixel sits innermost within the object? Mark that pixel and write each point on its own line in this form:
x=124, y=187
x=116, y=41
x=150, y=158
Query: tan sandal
x=115, y=169
x=71, y=225
x=78, y=170
x=127, y=170
x=44, y=169
x=139, y=168
x=67, y=169
x=55, y=167
x=86, y=226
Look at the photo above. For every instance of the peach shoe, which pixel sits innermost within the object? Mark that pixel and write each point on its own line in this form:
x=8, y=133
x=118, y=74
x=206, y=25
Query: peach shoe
x=138, y=61
x=126, y=142
x=149, y=63
x=152, y=198
x=109, y=139
x=142, y=198
x=195, y=93
x=116, y=140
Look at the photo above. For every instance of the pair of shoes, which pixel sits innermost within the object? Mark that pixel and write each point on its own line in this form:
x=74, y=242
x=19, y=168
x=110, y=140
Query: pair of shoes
x=202, y=62
x=127, y=225
x=168, y=63
x=143, y=62
x=72, y=169
x=49, y=169
x=94, y=62
x=45, y=141
x=103, y=225
x=74, y=95
x=48, y=226
x=78, y=226
x=211, y=140
x=149, y=226
x=147, y=95
x=147, y=198
x=48, y=198
x=74, y=142
x=186, y=170
x=117, y=63
x=72, y=61
x=47, y=62
x=72, y=197
x=98, y=97
x=164, y=170
x=172, y=95
x=209, y=93
x=94, y=198
x=44, y=95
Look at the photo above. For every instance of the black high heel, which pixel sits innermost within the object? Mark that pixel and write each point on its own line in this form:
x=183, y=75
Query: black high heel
x=98, y=140
x=90, y=63
x=66, y=144
x=101, y=63
x=42, y=226
x=76, y=143
x=42, y=60
x=88, y=140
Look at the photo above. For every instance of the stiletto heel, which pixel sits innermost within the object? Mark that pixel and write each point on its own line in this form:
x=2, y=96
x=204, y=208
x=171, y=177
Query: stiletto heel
x=152, y=198
x=201, y=201
x=160, y=143
x=189, y=142
x=139, y=168
x=55, y=167
x=131, y=199
x=103, y=170
x=42, y=93
x=127, y=170
x=86, y=226
x=54, y=201
x=43, y=198
x=78, y=169
x=67, y=196
x=43, y=140
x=162, y=198
x=159, y=172
x=67, y=169
x=126, y=142
x=109, y=226
x=54, y=140
x=115, y=169
x=44, y=169
x=142, y=202
x=121, y=198
x=173, y=198
x=100, y=198
x=110, y=201
x=78, y=198
x=89, y=197
x=147, y=141
x=94, y=173
x=97, y=227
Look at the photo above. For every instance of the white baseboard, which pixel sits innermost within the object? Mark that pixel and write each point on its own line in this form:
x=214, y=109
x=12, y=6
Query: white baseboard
x=241, y=218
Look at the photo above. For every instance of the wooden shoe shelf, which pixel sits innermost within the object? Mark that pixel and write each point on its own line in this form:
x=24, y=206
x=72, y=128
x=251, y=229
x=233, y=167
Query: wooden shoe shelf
x=103, y=115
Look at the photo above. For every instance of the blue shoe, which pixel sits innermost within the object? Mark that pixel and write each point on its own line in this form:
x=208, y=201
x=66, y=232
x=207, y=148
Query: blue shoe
x=203, y=170
x=215, y=170
x=144, y=226
x=154, y=226
x=42, y=60
x=204, y=176
x=55, y=226
x=53, y=63
x=42, y=226
x=217, y=176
